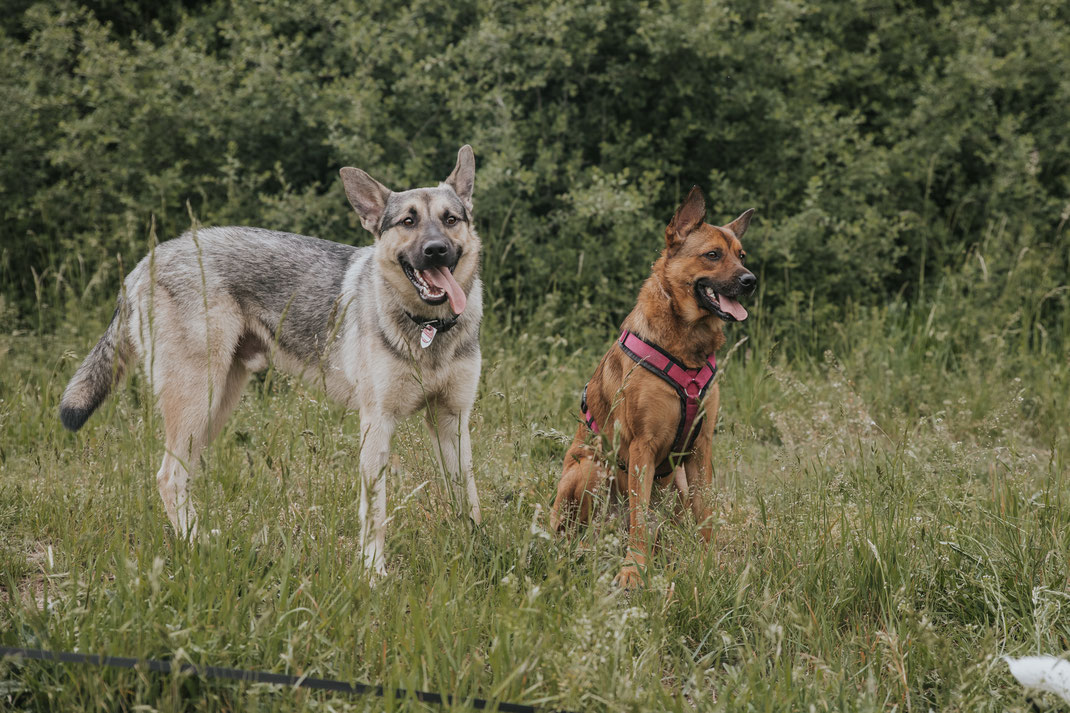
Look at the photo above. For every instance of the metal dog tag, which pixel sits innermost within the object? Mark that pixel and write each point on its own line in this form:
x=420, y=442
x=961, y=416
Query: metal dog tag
x=427, y=336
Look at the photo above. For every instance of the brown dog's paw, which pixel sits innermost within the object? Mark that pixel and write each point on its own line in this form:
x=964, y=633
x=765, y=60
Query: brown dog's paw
x=557, y=523
x=561, y=512
x=576, y=493
x=628, y=577
x=567, y=507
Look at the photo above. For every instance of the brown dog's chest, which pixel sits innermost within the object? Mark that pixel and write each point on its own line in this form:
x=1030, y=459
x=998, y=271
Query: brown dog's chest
x=635, y=404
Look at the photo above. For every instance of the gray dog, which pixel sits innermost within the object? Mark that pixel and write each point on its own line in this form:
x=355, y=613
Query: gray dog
x=387, y=329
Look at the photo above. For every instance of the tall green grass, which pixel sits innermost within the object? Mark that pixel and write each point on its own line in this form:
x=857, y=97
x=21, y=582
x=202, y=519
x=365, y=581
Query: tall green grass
x=891, y=517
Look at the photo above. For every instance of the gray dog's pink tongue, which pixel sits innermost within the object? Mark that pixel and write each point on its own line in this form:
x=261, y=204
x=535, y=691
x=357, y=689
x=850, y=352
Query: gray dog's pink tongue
x=730, y=306
x=442, y=278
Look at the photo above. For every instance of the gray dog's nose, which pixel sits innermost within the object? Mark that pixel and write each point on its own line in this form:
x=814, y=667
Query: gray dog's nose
x=435, y=249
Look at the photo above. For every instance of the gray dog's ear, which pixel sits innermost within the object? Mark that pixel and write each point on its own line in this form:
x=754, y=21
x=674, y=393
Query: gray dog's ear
x=367, y=195
x=739, y=225
x=463, y=178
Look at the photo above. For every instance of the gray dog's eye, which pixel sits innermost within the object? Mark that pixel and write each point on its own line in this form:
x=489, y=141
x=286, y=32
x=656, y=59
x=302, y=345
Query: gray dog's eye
x=451, y=220
x=408, y=222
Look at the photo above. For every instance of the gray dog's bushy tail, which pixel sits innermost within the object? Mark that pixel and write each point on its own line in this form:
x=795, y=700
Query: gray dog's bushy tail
x=100, y=371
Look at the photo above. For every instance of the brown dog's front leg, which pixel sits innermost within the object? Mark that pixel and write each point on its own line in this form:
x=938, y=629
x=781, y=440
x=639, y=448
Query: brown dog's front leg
x=698, y=469
x=640, y=482
x=698, y=483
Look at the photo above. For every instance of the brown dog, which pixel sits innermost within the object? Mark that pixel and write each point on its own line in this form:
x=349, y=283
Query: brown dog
x=648, y=392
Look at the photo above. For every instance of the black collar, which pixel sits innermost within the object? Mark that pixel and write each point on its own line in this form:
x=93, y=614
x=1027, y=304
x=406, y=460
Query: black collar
x=440, y=325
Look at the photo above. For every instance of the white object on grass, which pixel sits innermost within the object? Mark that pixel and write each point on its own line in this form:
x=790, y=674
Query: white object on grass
x=1045, y=673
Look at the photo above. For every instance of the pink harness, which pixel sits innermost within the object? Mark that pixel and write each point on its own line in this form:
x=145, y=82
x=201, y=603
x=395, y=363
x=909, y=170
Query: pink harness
x=689, y=384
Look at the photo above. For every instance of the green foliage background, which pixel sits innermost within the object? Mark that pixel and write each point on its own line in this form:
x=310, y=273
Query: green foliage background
x=891, y=465
x=883, y=144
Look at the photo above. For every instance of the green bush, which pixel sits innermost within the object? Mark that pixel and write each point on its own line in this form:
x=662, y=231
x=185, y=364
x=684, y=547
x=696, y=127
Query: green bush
x=879, y=143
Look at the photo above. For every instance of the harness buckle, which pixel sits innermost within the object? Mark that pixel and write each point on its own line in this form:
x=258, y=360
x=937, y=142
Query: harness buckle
x=692, y=389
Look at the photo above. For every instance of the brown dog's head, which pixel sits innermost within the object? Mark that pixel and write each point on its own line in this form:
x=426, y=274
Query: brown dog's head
x=704, y=263
x=425, y=235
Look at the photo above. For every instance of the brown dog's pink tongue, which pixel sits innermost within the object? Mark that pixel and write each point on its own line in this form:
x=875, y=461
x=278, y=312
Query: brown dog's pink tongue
x=442, y=278
x=730, y=306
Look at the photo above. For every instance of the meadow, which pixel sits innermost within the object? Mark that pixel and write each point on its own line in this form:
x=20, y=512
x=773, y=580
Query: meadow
x=891, y=519
x=891, y=464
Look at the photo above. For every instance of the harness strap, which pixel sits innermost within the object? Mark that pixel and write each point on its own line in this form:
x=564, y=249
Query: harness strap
x=689, y=384
x=587, y=415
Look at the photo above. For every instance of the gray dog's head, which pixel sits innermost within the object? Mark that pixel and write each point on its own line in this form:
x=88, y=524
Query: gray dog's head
x=426, y=233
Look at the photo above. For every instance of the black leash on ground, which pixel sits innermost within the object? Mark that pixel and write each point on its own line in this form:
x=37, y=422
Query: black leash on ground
x=278, y=679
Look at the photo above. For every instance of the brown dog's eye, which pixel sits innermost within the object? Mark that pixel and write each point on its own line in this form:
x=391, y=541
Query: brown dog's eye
x=742, y=257
x=714, y=254
x=408, y=222
x=451, y=220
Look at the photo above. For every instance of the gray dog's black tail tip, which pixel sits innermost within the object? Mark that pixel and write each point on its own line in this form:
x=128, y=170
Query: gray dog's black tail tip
x=94, y=379
x=74, y=418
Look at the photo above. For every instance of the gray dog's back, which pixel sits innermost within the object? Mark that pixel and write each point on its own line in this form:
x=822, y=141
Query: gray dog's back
x=276, y=278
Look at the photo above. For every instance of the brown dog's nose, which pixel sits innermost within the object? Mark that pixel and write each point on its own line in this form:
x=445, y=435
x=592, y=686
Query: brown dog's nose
x=748, y=280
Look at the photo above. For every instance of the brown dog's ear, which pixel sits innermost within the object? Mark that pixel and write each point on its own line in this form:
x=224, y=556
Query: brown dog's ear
x=739, y=225
x=367, y=195
x=690, y=215
x=463, y=178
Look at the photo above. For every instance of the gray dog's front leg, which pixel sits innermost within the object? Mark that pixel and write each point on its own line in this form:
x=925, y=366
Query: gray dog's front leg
x=452, y=444
x=374, y=458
